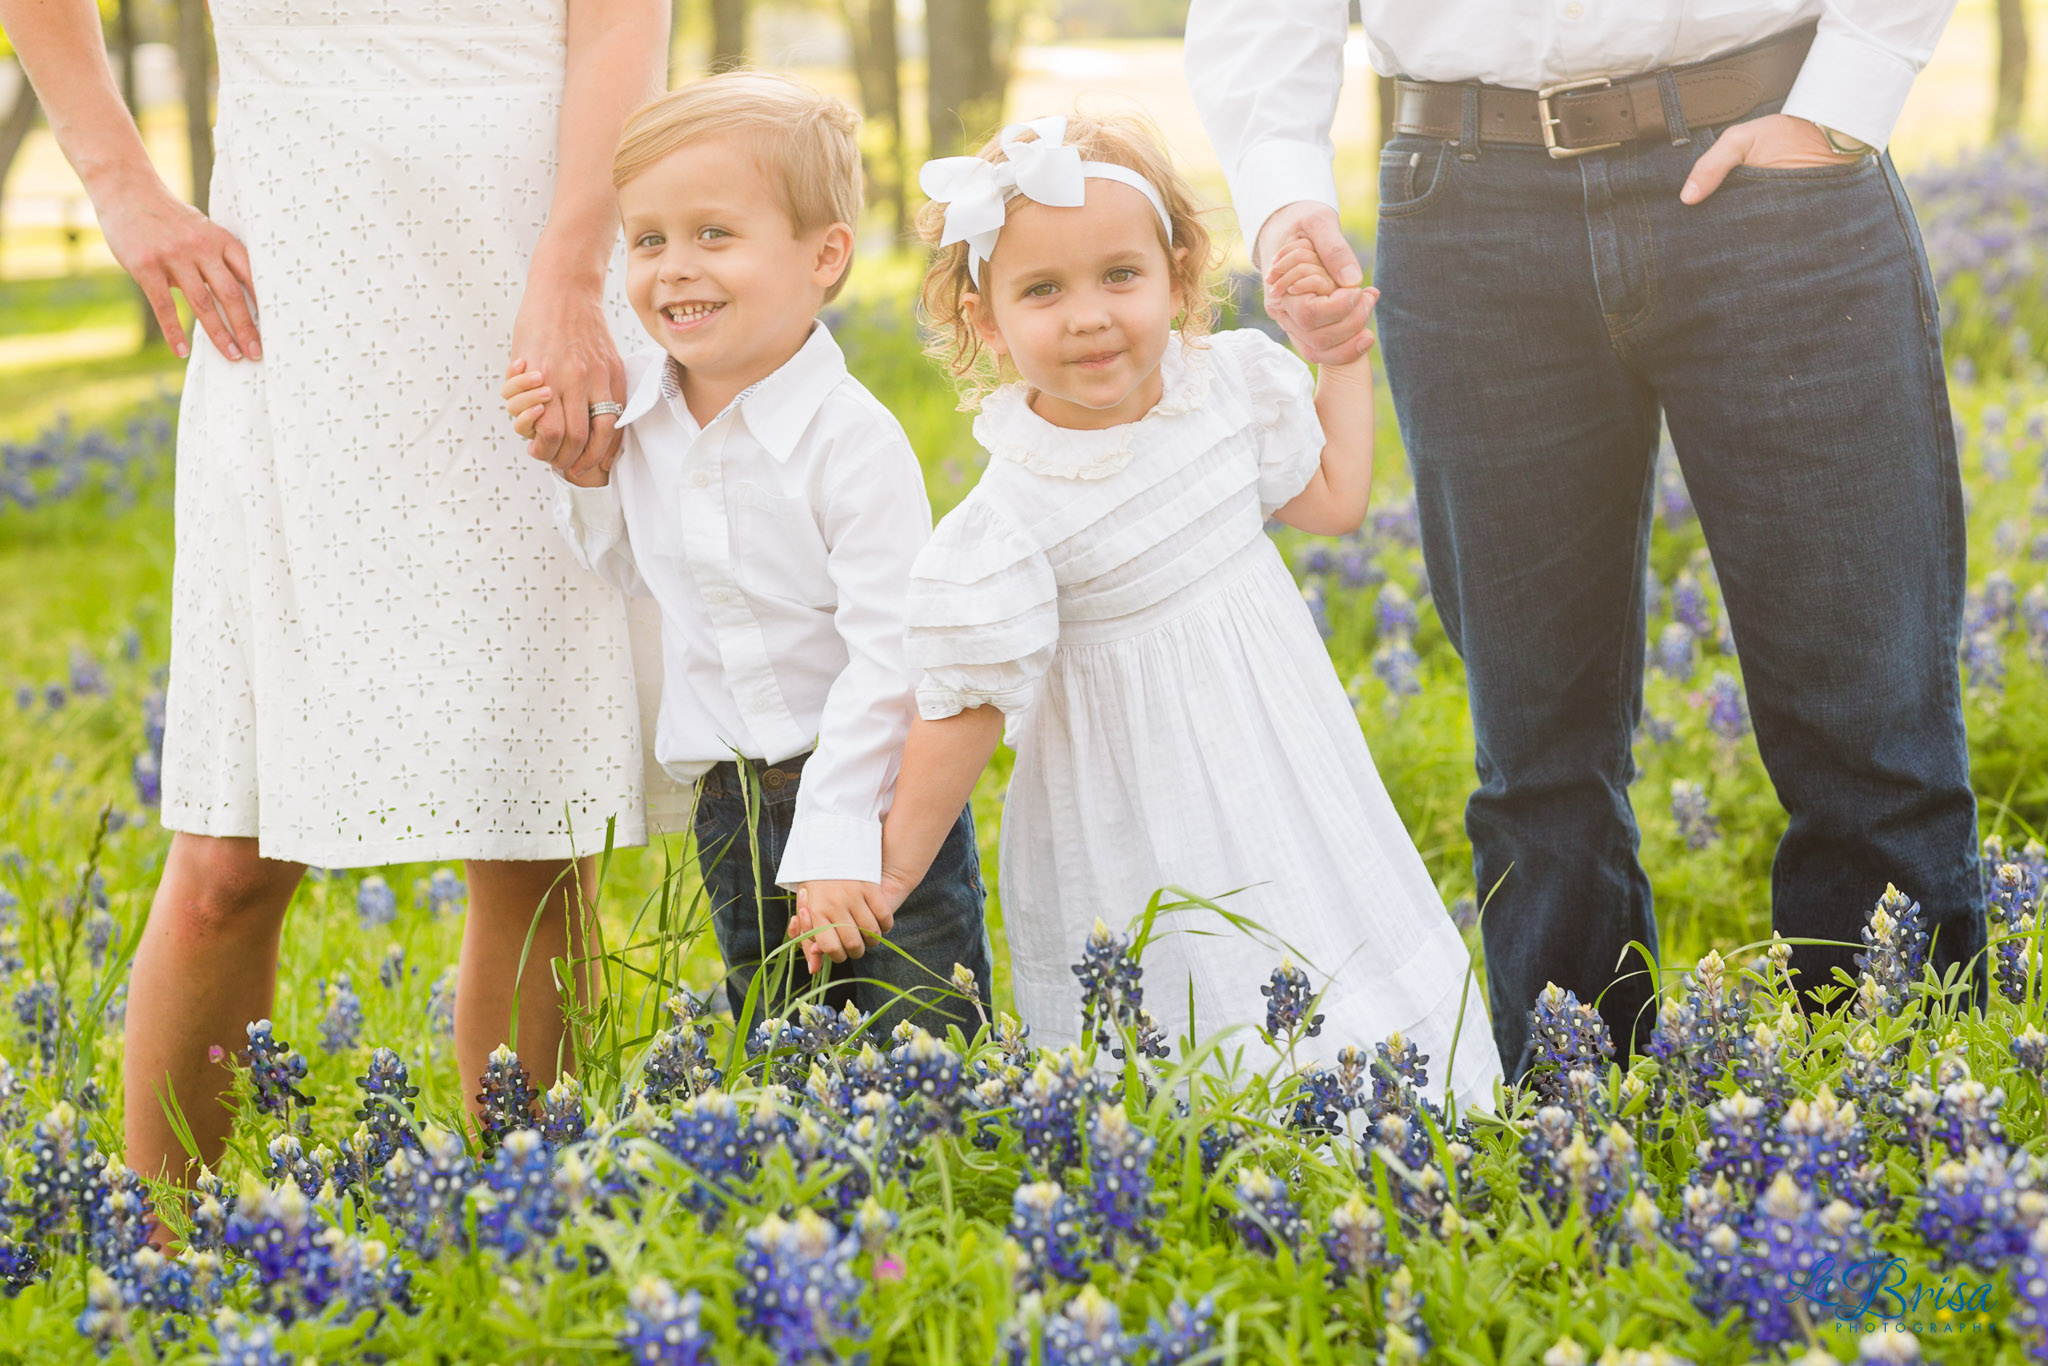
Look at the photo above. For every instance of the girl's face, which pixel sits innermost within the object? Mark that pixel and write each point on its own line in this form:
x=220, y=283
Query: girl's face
x=1081, y=300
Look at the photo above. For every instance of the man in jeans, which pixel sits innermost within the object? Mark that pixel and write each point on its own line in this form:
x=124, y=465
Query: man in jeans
x=1704, y=228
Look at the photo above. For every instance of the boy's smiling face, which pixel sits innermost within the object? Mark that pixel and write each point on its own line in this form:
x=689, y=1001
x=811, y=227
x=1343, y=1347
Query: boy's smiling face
x=717, y=272
x=1081, y=300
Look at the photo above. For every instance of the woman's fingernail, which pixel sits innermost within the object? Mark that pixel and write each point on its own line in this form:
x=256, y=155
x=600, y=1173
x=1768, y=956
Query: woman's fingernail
x=255, y=351
x=182, y=350
x=234, y=351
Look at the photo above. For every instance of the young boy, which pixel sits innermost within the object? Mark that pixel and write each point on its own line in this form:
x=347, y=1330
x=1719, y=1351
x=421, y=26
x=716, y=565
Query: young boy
x=771, y=506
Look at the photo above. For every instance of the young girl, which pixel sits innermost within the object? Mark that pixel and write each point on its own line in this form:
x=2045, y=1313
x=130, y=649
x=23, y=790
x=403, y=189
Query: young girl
x=1107, y=599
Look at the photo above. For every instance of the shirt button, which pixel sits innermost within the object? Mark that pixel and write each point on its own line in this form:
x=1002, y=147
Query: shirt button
x=700, y=479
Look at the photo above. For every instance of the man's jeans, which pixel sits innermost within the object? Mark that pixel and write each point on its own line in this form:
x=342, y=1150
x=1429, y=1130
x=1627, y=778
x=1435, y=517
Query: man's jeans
x=1538, y=318
x=939, y=924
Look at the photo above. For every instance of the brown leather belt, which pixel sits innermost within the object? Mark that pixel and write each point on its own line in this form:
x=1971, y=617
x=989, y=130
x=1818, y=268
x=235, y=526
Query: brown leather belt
x=1577, y=117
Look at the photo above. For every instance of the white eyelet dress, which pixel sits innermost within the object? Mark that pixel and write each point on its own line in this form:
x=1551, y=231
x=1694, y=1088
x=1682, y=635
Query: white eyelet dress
x=1177, y=721
x=380, y=650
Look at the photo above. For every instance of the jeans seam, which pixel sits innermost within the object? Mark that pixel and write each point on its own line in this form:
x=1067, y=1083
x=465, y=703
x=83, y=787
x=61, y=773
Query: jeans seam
x=1641, y=212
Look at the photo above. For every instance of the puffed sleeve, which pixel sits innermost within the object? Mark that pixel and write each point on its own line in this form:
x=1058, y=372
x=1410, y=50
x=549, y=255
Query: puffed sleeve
x=1282, y=392
x=983, y=616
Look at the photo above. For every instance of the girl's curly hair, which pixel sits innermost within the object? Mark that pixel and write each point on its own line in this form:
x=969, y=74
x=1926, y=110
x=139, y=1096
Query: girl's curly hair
x=1122, y=138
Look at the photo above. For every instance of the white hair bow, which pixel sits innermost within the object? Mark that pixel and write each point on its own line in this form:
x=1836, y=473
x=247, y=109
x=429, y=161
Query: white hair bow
x=975, y=192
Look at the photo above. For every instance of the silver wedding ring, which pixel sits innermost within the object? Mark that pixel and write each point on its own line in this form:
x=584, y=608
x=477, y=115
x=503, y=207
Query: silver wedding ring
x=615, y=409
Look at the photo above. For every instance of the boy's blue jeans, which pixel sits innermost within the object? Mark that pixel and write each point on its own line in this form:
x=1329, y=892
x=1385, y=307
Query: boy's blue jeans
x=1539, y=317
x=939, y=924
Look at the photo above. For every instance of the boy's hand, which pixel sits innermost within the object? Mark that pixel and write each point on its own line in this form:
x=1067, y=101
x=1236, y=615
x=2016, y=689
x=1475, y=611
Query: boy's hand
x=527, y=395
x=840, y=913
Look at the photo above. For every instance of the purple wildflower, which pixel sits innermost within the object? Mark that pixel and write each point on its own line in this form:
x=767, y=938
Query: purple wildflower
x=798, y=1291
x=1289, y=1000
x=1268, y=1219
x=1674, y=652
x=341, y=1024
x=1049, y=1230
x=1727, y=714
x=275, y=1071
x=376, y=903
x=663, y=1328
x=1120, y=1200
x=1694, y=814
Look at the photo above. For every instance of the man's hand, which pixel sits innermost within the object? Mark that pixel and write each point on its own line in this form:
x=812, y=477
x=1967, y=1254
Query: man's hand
x=1325, y=328
x=840, y=912
x=1773, y=140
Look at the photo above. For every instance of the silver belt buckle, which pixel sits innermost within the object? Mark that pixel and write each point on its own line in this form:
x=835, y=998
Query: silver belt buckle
x=1548, y=122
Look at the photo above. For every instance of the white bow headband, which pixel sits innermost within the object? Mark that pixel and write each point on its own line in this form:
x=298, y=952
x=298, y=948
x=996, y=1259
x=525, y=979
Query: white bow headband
x=976, y=192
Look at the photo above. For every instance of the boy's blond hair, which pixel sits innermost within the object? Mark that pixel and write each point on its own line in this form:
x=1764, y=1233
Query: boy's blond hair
x=1126, y=139
x=805, y=140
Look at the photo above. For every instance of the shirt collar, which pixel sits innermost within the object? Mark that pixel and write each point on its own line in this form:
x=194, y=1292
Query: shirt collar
x=777, y=409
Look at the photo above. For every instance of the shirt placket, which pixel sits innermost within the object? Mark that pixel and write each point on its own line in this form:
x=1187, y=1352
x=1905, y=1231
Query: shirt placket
x=742, y=643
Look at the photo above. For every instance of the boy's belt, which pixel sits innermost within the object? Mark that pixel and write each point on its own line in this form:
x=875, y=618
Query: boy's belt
x=1576, y=117
x=723, y=778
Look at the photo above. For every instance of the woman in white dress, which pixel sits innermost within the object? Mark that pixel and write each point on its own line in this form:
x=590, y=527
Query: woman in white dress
x=379, y=651
x=1108, y=597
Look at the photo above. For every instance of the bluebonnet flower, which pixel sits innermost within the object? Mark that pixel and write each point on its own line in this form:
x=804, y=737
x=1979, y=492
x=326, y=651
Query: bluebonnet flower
x=243, y=1342
x=302, y=1266
x=1694, y=814
x=1689, y=603
x=2030, y=1288
x=1268, y=1218
x=928, y=1076
x=1967, y=1116
x=1563, y=1168
x=1866, y=1077
x=663, y=1328
x=784, y=1050
x=716, y=1143
x=1395, y=662
x=1112, y=997
x=153, y=717
x=54, y=696
x=1289, y=999
x=1049, y=1108
x=1317, y=560
x=1823, y=1145
x=441, y=1003
x=104, y=1320
x=1656, y=729
x=679, y=1065
x=1318, y=609
x=1674, y=502
x=1394, y=611
x=1567, y=1035
x=1420, y=1184
x=87, y=677
x=2034, y=609
x=61, y=1183
x=20, y=1267
x=1755, y=1268
x=42, y=1013
x=341, y=1023
x=1698, y=1037
x=102, y=931
x=1984, y=659
x=275, y=1071
x=1185, y=1333
x=798, y=1291
x=1674, y=651
x=2015, y=897
x=1355, y=569
x=1397, y=522
x=1120, y=1200
x=2030, y=1049
x=1356, y=1242
x=209, y=1205
x=1971, y=1209
x=147, y=772
x=1895, y=940
x=422, y=1187
x=518, y=1207
x=289, y=1161
x=1089, y=1332
x=445, y=892
x=376, y=903
x=1760, y=1066
x=562, y=1117
x=1406, y=1339
x=1727, y=713
x=391, y=970
x=506, y=1098
x=1049, y=1229
x=1326, y=1095
x=1739, y=1145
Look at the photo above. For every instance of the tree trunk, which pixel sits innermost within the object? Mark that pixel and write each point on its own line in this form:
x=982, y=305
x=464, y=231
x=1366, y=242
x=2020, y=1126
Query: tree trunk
x=2012, y=68
x=877, y=62
x=728, y=34
x=1383, y=88
x=965, y=86
x=15, y=126
x=195, y=63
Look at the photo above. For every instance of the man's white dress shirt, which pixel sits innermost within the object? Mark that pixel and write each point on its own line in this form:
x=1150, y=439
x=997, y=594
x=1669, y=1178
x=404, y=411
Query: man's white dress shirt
x=1266, y=76
x=777, y=540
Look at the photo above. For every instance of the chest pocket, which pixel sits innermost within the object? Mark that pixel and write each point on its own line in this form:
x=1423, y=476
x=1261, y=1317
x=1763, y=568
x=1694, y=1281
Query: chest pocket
x=777, y=550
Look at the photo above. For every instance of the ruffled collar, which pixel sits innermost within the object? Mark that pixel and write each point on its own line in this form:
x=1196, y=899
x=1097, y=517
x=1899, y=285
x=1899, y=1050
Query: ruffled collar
x=1009, y=430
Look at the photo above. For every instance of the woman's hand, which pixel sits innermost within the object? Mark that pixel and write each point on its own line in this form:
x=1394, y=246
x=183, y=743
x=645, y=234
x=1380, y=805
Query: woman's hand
x=167, y=244
x=561, y=333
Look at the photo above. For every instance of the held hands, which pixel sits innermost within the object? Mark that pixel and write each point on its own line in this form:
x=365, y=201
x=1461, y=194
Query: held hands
x=1326, y=322
x=879, y=901
x=1771, y=141
x=527, y=395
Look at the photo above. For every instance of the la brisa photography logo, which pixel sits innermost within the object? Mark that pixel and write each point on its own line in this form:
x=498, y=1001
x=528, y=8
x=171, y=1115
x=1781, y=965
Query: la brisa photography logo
x=1889, y=1291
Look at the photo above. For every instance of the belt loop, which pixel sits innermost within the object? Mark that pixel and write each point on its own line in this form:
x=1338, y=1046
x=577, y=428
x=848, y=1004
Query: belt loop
x=1674, y=109
x=1468, y=129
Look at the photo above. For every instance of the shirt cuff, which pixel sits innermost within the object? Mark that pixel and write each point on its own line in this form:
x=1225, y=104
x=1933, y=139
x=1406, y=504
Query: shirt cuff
x=827, y=846
x=594, y=509
x=1275, y=174
x=1852, y=86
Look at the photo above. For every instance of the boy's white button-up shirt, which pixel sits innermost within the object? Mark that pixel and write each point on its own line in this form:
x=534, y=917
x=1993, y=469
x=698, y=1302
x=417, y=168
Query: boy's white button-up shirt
x=1266, y=77
x=777, y=540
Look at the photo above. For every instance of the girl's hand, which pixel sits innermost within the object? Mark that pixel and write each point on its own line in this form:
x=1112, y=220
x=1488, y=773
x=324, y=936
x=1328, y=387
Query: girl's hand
x=561, y=334
x=1299, y=269
x=166, y=244
x=525, y=394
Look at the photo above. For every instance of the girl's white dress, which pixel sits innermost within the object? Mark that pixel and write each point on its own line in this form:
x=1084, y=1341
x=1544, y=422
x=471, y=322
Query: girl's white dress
x=380, y=650
x=1177, y=720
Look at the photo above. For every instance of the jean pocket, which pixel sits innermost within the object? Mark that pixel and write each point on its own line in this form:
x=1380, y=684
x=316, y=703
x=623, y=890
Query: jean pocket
x=1840, y=171
x=1412, y=175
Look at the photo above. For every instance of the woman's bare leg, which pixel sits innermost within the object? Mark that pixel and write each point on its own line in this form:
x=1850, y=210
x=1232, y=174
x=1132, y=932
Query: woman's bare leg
x=206, y=967
x=503, y=896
